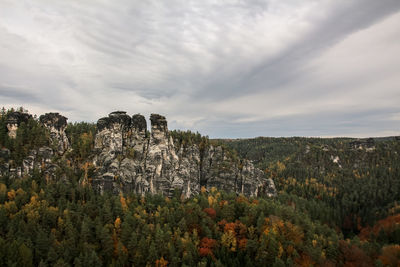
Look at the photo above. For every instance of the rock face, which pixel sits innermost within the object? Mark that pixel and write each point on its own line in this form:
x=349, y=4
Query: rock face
x=14, y=119
x=40, y=158
x=56, y=124
x=128, y=159
x=364, y=144
x=4, y=161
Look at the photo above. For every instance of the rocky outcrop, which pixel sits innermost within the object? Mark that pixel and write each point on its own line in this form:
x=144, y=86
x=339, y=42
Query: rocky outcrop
x=363, y=144
x=4, y=161
x=161, y=161
x=14, y=119
x=128, y=159
x=56, y=124
x=40, y=159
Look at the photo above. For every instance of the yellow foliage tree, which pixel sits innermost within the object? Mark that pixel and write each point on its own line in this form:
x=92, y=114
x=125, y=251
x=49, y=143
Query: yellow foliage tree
x=11, y=194
x=117, y=223
x=203, y=190
x=3, y=190
x=211, y=201
x=280, y=166
x=228, y=240
x=161, y=262
x=123, y=203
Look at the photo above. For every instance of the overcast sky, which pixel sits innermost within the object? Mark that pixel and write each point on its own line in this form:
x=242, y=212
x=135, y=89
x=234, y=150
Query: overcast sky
x=224, y=68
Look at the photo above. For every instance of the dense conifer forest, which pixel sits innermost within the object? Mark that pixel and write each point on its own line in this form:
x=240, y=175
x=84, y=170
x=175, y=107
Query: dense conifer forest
x=337, y=206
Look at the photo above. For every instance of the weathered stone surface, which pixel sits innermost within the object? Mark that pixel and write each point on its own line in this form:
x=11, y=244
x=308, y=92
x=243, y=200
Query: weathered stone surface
x=56, y=124
x=139, y=123
x=138, y=139
x=14, y=119
x=4, y=154
x=118, y=141
x=15, y=172
x=129, y=160
x=268, y=189
x=41, y=159
x=45, y=154
x=113, y=131
x=53, y=120
x=161, y=161
x=4, y=158
x=363, y=144
x=28, y=164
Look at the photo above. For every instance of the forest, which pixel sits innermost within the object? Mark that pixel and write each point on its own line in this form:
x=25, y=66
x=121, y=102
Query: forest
x=337, y=206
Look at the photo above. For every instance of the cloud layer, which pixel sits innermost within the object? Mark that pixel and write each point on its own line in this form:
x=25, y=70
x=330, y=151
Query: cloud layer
x=224, y=68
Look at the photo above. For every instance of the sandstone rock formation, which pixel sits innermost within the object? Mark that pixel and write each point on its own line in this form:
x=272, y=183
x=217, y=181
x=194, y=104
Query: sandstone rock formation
x=14, y=119
x=363, y=144
x=4, y=161
x=40, y=158
x=128, y=159
x=56, y=124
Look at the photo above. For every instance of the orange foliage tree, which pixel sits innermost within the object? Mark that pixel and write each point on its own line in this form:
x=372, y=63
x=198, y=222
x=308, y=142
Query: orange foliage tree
x=206, y=246
x=388, y=225
x=210, y=212
x=161, y=262
x=390, y=255
x=352, y=255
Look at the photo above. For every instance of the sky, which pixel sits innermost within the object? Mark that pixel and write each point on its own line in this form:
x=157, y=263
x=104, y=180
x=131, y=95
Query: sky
x=228, y=69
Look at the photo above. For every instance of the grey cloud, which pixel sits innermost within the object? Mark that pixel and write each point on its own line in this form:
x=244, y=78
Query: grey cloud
x=287, y=66
x=350, y=124
x=21, y=94
x=190, y=60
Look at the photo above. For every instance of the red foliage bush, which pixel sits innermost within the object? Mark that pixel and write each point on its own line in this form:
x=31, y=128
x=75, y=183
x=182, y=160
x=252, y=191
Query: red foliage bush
x=210, y=212
x=242, y=243
x=390, y=255
x=353, y=256
x=206, y=246
x=388, y=225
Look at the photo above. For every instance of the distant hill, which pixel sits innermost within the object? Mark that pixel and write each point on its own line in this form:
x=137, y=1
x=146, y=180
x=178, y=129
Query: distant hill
x=357, y=180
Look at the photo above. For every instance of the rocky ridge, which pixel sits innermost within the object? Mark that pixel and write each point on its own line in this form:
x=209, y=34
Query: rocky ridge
x=14, y=119
x=127, y=159
x=42, y=157
x=56, y=124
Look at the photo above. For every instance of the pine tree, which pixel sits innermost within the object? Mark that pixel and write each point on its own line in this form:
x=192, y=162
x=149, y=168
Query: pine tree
x=42, y=245
x=25, y=256
x=3, y=252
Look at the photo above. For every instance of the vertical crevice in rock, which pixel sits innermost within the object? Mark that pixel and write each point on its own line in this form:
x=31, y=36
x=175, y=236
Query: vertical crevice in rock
x=201, y=173
x=56, y=124
x=151, y=162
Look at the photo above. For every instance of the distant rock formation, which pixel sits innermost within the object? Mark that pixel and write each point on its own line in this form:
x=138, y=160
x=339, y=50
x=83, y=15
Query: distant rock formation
x=14, y=119
x=42, y=157
x=361, y=144
x=56, y=124
x=127, y=159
